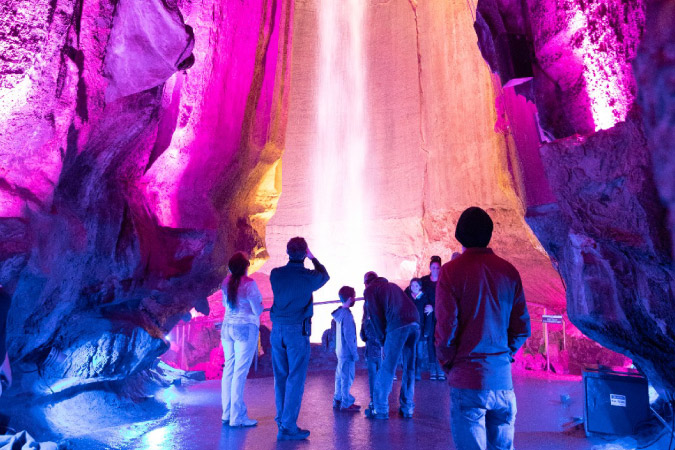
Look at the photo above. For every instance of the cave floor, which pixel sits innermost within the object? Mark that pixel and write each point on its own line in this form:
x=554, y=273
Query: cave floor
x=194, y=420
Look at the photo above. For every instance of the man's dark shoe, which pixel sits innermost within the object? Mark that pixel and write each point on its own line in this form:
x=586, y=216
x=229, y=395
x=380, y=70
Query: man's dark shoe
x=405, y=415
x=336, y=404
x=371, y=414
x=288, y=435
x=352, y=408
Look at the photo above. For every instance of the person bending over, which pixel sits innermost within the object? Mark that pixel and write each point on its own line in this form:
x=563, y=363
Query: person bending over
x=395, y=322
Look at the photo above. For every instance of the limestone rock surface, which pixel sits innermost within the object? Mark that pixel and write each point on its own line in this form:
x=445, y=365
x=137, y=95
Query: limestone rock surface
x=602, y=158
x=138, y=144
x=430, y=150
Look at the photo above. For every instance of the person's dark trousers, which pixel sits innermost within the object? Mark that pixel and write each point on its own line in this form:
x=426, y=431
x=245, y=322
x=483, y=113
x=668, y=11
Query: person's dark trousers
x=374, y=364
x=401, y=341
x=420, y=351
x=290, y=359
x=431, y=354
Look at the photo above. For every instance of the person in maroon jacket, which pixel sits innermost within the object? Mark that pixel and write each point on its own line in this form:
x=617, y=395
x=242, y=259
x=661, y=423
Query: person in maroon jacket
x=395, y=323
x=482, y=320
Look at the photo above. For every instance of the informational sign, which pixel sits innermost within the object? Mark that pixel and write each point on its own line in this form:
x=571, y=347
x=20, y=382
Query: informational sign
x=550, y=318
x=617, y=400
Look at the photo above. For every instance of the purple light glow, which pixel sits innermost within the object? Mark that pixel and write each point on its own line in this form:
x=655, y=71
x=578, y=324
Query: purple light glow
x=606, y=67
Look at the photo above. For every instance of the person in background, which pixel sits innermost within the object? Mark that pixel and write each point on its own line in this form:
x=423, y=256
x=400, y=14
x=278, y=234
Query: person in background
x=239, y=335
x=429, y=287
x=345, y=350
x=395, y=322
x=414, y=290
x=291, y=314
x=482, y=321
x=373, y=354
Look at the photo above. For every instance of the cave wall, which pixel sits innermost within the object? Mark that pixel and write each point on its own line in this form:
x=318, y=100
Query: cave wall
x=432, y=149
x=140, y=146
x=603, y=145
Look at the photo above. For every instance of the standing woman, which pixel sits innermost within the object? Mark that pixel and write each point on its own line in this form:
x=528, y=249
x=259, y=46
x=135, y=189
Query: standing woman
x=239, y=334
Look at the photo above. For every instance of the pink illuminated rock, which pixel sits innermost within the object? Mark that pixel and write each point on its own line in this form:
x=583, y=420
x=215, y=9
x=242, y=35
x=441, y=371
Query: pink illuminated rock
x=611, y=245
x=128, y=180
x=603, y=226
x=148, y=43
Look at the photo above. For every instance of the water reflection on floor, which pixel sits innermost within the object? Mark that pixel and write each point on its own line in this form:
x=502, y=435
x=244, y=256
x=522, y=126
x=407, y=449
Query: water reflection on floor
x=194, y=422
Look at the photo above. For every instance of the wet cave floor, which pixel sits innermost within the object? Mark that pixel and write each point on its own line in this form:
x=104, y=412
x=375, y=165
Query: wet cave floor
x=193, y=421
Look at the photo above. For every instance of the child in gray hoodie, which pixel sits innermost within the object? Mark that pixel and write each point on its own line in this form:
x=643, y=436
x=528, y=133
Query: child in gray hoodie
x=345, y=349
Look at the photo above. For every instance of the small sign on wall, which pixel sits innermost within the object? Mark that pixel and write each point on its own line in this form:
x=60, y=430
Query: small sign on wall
x=551, y=318
x=617, y=400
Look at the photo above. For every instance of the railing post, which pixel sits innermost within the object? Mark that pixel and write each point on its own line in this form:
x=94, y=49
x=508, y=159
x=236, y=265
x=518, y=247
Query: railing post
x=548, y=358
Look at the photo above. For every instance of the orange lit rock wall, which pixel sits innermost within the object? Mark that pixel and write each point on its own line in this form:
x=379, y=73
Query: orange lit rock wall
x=432, y=148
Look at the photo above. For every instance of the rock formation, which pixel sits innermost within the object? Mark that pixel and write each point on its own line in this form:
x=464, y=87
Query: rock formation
x=141, y=143
x=140, y=146
x=603, y=158
x=431, y=150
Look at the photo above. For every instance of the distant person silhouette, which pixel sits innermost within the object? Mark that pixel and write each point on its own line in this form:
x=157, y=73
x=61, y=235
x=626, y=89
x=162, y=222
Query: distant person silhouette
x=429, y=287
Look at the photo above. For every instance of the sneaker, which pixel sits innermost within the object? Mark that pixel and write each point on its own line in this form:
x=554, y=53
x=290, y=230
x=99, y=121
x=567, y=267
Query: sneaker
x=371, y=414
x=352, y=408
x=245, y=423
x=433, y=376
x=441, y=376
x=405, y=415
x=297, y=435
x=336, y=404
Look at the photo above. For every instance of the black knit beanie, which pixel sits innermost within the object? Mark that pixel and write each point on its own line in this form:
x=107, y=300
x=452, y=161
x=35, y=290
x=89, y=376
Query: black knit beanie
x=474, y=228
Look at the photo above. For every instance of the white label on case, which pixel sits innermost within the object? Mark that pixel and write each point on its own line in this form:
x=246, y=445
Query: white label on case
x=617, y=400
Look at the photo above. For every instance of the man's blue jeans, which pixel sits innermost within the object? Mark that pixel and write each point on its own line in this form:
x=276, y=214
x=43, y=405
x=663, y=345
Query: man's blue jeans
x=482, y=419
x=290, y=358
x=399, y=342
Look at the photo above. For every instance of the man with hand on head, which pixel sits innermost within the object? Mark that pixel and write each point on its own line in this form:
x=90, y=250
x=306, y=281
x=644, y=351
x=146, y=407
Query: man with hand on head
x=291, y=315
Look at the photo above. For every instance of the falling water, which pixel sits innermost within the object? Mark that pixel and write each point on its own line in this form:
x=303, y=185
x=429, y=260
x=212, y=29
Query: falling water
x=340, y=181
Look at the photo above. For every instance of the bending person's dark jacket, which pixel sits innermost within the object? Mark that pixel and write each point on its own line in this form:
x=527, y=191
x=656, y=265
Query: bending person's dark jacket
x=373, y=347
x=292, y=286
x=482, y=320
x=388, y=307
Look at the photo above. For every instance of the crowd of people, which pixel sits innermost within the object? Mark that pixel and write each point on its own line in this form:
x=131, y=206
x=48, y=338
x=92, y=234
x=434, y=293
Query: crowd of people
x=469, y=315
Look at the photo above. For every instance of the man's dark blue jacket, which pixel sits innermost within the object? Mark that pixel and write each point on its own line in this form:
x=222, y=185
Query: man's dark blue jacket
x=292, y=286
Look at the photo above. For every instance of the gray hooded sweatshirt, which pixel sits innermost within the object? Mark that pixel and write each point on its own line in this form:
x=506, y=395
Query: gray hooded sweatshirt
x=345, y=334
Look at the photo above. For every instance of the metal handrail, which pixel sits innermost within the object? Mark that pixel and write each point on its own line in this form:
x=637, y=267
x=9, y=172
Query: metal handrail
x=327, y=302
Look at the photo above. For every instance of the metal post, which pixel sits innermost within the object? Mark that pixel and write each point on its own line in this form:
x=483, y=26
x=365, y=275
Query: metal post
x=548, y=359
x=255, y=357
x=564, y=335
